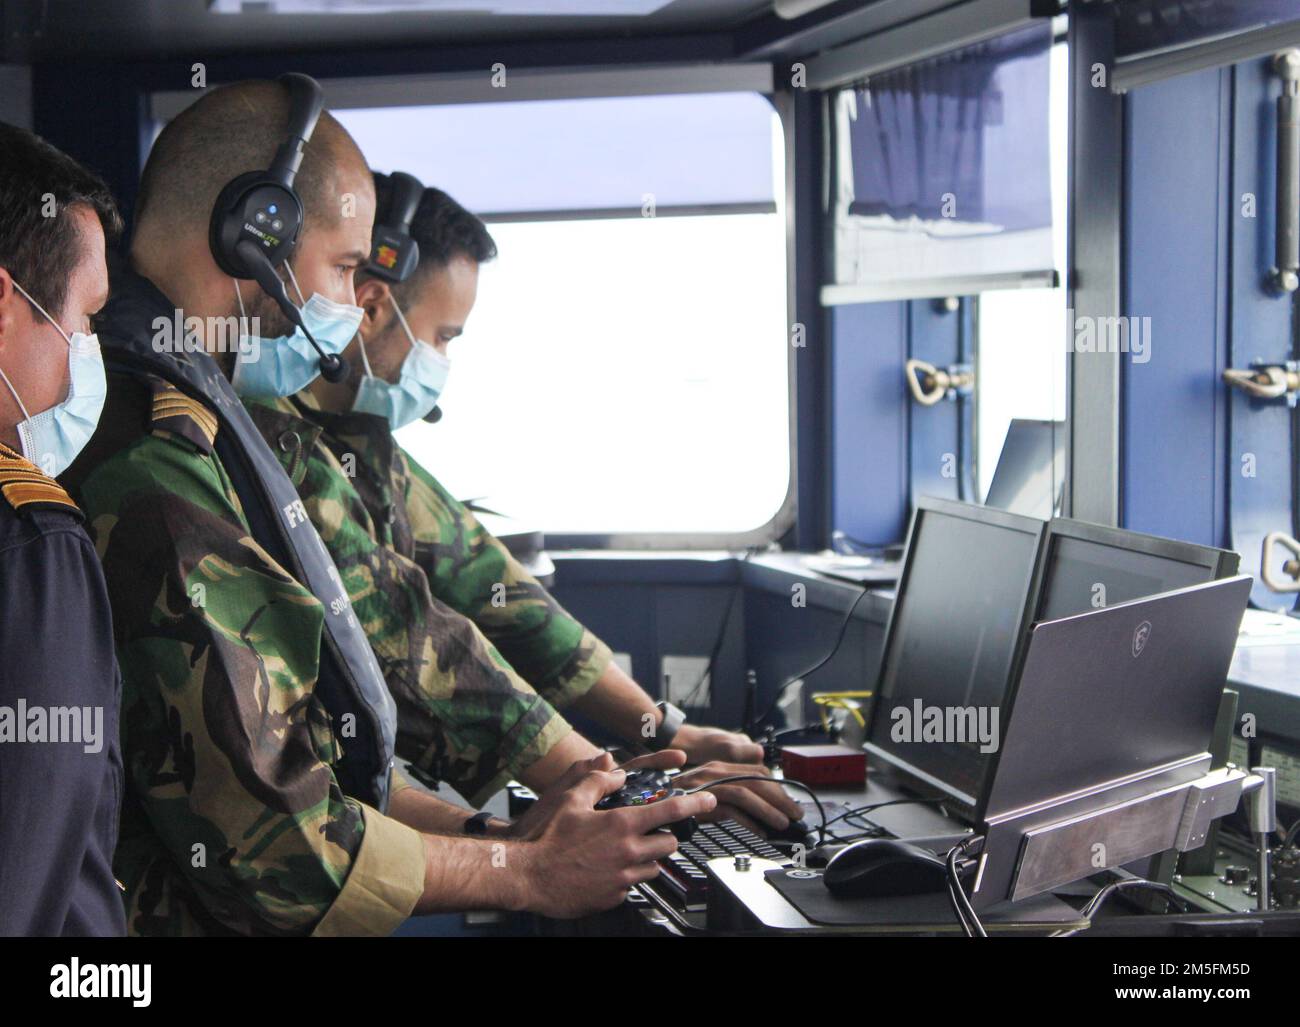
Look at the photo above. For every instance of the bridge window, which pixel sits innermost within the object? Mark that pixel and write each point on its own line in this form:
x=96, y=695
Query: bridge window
x=625, y=370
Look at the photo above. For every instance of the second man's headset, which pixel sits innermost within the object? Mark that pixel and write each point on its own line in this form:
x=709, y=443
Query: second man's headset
x=258, y=216
x=394, y=254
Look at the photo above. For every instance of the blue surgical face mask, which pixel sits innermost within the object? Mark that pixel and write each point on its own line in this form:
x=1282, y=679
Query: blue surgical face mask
x=289, y=363
x=53, y=438
x=423, y=377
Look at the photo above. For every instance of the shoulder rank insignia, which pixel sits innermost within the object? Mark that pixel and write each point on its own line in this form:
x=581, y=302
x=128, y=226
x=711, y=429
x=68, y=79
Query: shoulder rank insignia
x=175, y=412
x=26, y=486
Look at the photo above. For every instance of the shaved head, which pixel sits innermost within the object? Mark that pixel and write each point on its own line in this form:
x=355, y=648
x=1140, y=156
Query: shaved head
x=226, y=133
x=229, y=131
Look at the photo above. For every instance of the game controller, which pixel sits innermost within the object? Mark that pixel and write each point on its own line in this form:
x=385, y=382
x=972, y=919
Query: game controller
x=645, y=787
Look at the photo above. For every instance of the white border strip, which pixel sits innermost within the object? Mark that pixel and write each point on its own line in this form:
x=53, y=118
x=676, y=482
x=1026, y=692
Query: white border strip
x=935, y=288
x=523, y=84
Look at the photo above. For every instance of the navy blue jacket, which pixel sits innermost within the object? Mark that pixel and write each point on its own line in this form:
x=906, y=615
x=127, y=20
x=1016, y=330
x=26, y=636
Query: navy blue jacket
x=59, y=804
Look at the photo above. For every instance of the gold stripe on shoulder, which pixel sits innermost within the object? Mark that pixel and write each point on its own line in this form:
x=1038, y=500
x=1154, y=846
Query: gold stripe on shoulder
x=183, y=415
x=24, y=484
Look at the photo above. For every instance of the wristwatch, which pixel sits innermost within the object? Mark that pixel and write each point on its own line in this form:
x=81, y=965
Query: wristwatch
x=663, y=736
x=478, y=823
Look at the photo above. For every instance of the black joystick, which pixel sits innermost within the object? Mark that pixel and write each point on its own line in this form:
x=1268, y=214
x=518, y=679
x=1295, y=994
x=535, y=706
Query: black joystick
x=644, y=788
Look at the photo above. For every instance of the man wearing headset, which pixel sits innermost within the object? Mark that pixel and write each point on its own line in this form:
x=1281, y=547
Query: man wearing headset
x=60, y=767
x=362, y=491
x=257, y=728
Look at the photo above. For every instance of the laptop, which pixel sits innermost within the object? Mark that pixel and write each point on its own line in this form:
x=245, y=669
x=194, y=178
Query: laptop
x=1030, y=475
x=1124, y=697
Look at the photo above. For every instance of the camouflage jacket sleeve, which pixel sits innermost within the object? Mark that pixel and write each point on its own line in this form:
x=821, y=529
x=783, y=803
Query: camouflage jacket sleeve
x=473, y=572
x=464, y=716
x=234, y=821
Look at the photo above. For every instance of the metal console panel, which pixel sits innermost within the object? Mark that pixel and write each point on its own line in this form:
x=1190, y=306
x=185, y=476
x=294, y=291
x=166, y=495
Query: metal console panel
x=1073, y=853
x=1104, y=828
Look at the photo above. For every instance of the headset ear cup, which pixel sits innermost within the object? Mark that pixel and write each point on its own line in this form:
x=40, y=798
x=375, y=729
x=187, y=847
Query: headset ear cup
x=227, y=223
x=230, y=214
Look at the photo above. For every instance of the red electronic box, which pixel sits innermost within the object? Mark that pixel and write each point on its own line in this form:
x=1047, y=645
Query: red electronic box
x=824, y=764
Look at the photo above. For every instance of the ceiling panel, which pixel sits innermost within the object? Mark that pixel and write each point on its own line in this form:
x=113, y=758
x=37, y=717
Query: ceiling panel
x=42, y=29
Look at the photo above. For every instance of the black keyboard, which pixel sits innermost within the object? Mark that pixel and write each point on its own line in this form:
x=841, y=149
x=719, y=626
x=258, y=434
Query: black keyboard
x=683, y=872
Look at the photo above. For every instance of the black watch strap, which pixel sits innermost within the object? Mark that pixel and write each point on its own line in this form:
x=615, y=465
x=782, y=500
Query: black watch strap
x=478, y=823
x=667, y=729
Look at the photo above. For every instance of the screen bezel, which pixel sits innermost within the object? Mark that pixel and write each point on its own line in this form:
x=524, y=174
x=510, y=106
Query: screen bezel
x=1221, y=563
x=965, y=805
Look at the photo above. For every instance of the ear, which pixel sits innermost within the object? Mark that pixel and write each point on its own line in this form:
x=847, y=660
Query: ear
x=372, y=297
x=9, y=296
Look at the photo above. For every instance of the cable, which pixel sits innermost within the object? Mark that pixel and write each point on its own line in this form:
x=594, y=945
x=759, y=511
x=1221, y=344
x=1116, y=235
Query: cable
x=1130, y=884
x=863, y=810
x=961, y=905
x=821, y=810
x=722, y=636
x=1290, y=837
x=867, y=828
x=780, y=692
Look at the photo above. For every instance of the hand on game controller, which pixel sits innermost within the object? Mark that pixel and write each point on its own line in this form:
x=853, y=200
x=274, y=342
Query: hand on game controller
x=540, y=811
x=577, y=858
x=758, y=805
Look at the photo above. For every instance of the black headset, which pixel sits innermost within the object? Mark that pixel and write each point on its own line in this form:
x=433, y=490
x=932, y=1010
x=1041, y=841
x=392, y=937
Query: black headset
x=394, y=255
x=258, y=215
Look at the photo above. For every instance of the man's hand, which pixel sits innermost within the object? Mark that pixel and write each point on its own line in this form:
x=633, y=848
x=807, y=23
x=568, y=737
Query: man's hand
x=535, y=816
x=756, y=804
x=578, y=859
x=702, y=744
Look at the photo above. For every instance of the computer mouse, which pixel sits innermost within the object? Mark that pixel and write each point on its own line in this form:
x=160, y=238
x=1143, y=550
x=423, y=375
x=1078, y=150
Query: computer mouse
x=880, y=867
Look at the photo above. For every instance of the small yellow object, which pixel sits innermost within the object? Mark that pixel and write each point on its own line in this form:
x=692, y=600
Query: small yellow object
x=841, y=701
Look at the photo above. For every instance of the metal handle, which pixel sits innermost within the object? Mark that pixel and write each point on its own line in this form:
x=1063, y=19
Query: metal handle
x=1267, y=381
x=1285, y=274
x=929, y=384
x=1290, y=568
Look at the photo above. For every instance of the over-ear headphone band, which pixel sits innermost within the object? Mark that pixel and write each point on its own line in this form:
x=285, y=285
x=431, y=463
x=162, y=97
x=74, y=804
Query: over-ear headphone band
x=394, y=254
x=407, y=190
x=305, y=105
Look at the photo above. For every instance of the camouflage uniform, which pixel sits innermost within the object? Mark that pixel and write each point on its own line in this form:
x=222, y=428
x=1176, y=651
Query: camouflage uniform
x=234, y=820
x=406, y=548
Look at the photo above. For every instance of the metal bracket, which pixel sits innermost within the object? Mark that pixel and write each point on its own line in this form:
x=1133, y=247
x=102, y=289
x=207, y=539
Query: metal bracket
x=929, y=384
x=1176, y=817
x=1284, y=276
x=1267, y=381
x=1291, y=567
